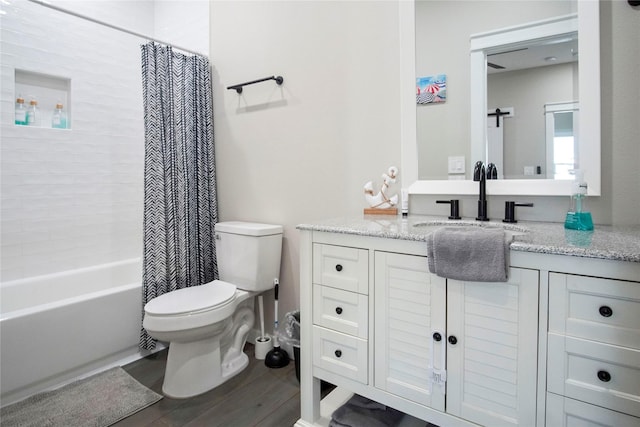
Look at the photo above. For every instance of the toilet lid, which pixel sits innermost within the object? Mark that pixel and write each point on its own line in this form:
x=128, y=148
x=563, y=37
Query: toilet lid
x=192, y=299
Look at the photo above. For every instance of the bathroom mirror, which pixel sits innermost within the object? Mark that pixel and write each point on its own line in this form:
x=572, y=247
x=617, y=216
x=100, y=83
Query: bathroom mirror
x=466, y=115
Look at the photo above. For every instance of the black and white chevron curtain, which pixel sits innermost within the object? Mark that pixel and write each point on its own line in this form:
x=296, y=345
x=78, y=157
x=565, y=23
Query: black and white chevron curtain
x=180, y=205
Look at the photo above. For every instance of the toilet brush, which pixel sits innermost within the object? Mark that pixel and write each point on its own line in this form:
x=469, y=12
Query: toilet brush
x=261, y=306
x=263, y=342
x=277, y=357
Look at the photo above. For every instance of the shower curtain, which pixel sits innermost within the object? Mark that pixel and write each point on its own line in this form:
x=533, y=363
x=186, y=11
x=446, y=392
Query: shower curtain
x=180, y=205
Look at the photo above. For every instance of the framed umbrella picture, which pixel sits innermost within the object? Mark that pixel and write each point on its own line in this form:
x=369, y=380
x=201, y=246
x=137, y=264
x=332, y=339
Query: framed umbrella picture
x=431, y=89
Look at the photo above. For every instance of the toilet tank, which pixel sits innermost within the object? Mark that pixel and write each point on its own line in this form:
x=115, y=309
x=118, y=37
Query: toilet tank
x=248, y=254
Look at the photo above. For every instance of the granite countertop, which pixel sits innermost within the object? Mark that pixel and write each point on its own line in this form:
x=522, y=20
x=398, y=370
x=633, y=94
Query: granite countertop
x=620, y=243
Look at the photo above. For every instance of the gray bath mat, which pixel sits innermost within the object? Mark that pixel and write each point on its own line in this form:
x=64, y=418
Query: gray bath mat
x=96, y=401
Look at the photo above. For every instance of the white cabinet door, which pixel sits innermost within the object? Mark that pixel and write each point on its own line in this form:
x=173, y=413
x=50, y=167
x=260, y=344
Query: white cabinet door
x=410, y=306
x=492, y=350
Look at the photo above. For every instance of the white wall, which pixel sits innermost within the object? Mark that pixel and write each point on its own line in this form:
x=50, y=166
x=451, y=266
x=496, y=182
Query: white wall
x=74, y=198
x=620, y=50
x=183, y=23
x=303, y=151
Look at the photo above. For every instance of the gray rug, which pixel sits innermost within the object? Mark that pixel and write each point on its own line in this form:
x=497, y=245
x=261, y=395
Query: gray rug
x=96, y=401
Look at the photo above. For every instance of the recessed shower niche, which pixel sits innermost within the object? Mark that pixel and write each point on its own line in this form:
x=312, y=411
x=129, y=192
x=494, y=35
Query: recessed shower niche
x=42, y=100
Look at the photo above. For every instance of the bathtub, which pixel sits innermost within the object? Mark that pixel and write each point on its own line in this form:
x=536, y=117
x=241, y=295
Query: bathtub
x=62, y=326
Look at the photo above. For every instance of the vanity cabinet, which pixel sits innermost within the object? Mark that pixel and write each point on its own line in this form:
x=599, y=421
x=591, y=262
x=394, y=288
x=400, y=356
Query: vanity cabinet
x=558, y=345
x=451, y=352
x=594, y=350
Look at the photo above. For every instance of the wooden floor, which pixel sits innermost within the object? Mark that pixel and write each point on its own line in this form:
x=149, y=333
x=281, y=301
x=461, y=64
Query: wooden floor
x=258, y=396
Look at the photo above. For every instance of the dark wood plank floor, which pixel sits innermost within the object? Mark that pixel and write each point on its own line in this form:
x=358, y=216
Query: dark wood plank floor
x=258, y=396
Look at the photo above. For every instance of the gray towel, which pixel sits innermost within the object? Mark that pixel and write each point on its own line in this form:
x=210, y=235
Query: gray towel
x=468, y=253
x=362, y=412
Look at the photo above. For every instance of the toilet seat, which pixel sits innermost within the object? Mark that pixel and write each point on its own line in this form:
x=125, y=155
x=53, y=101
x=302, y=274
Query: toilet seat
x=192, y=300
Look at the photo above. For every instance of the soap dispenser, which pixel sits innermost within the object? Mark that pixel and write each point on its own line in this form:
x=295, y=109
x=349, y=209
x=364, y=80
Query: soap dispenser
x=577, y=218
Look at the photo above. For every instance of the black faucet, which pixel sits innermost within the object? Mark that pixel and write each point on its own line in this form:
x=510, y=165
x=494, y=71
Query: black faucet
x=455, y=208
x=480, y=176
x=492, y=171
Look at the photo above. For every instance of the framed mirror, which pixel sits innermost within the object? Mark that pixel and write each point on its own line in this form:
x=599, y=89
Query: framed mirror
x=472, y=141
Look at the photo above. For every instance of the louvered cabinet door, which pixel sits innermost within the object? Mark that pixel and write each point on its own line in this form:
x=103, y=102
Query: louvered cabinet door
x=410, y=307
x=492, y=350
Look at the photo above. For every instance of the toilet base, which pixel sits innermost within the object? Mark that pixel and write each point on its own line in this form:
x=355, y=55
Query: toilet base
x=195, y=367
x=192, y=368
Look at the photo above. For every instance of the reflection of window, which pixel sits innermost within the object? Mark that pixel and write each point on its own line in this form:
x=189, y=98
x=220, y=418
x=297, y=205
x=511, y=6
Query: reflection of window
x=563, y=158
x=562, y=137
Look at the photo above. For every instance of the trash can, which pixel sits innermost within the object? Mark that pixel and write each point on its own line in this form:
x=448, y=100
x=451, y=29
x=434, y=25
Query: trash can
x=290, y=340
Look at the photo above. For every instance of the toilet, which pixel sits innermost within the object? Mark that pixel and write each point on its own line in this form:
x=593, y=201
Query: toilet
x=206, y=326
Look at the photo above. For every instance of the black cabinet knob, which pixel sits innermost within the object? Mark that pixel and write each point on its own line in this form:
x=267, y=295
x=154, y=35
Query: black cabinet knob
x=453, y=340
x=604, y=376
x=339, y=310
x=605, y=311
x=437, y=336
x=338, y=267
x=338, y=353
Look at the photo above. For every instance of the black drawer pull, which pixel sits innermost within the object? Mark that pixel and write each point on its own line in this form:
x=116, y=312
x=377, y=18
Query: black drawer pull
x=605, y=311
x=453, y=340
x=338, y=267
x=339, y=310
x=604, y=376
x=437, y=336
x=338, y=353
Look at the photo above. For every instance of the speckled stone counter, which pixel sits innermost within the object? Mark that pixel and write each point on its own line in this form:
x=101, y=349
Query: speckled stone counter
x=620, y=243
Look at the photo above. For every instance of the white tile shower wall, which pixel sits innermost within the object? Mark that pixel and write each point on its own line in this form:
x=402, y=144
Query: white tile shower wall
x=71, y=198
x=135, y=15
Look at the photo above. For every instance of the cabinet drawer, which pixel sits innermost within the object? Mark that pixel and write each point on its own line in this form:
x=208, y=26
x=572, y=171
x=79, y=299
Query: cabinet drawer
x=593, y=308
x=341, y=354
x=340, y=310
x=564, y=412
x=341, y=267
x=602, y=374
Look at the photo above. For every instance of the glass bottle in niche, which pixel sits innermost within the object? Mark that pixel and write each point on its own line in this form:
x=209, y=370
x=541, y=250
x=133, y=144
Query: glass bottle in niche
x=20, y=112
x=59, y=117
x=33, y=115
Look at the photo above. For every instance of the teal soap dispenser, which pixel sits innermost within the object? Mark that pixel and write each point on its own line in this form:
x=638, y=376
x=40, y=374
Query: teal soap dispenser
x=577, y=218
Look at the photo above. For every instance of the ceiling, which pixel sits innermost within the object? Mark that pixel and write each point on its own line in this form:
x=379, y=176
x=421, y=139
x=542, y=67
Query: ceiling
x=551, y=53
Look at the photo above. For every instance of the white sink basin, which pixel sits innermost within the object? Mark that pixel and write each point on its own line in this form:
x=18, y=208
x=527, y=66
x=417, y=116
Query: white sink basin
x=510, y=229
